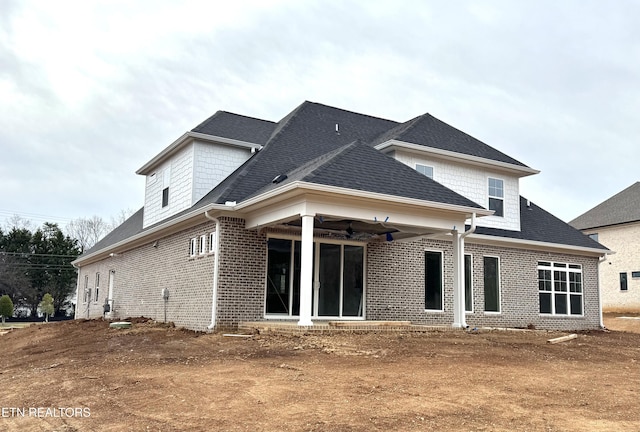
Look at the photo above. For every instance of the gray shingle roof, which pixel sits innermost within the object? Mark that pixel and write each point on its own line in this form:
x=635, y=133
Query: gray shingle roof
x=621, y=208
x=359, y=166
x=428, y=131
x=235, y=126
x=305, y=146
x=537, y=224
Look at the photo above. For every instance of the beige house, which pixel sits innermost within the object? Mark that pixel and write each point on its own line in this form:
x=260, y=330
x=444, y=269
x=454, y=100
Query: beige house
x=615, y=223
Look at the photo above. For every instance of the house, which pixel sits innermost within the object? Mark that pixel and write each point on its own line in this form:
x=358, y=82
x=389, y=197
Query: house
x=329, y=214
x=615, y=223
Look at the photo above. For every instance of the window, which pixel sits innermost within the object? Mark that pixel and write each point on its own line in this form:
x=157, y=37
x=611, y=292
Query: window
x=468, y=284
x=165, y=197
x=203, y=244
x=192, y=247
x=212, y=242
x=496, y=196
x=560, y=288
x=97, y=286
x=338, y=267
x=594, y=236
x=425, y=170
x=623, y=281
x=635, y=274
x=86, y=287
x=491, y=284
x=433, y=280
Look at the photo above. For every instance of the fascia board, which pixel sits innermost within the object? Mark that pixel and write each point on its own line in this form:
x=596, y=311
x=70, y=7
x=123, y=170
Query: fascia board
x=300, y=187
x=518, y=170
x=536, y=245
x=186, y=139
x=163, y=229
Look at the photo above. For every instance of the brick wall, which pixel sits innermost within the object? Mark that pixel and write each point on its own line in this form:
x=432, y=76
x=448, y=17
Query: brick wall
x=142, y=273
x=395, y=286
x=243, y=263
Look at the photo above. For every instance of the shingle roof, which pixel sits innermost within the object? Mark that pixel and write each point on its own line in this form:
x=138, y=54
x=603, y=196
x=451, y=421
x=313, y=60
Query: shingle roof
x=235, y=126
x=305, y=134
x=359, y=166
x=623, y=207
x=428, y=131
x=306, y=146
x=537, y=224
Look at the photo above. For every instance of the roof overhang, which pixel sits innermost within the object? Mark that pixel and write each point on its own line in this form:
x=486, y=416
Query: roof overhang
x=155, y=232
x=537, y=245
x=296, y=199
x=186, y=139
x=518, y=170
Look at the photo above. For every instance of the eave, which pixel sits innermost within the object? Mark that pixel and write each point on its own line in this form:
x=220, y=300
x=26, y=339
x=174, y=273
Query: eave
x=518, y=170
x=537, y=245
x=186, y=139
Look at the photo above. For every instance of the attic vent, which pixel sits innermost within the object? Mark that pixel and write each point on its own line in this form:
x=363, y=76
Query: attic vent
x=279, y=179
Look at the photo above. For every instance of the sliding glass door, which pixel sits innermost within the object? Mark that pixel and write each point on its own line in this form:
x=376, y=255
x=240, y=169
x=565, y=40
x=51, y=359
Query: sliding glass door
x=338, y=274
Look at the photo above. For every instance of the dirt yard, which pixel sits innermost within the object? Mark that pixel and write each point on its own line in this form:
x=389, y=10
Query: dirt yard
x=83, y=376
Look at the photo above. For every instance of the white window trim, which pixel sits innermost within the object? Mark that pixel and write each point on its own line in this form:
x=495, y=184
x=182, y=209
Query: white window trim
x=86, y=288
x=568, y=293
x=97, y=287
x=426, y=166
x=192, y=247
x=472, y=286
x=489, y=196
x=203, y=245
x=442, y=275
x=499, y=311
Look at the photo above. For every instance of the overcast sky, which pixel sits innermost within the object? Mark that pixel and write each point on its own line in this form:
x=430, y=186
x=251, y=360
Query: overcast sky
x=90, y=91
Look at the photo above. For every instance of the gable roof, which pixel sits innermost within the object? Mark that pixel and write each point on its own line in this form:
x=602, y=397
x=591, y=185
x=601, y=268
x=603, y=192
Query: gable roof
x=623, y=207
x=428, y=131
x=360, y=167
x=329, y=146
x=238, y=127
x=541, y=226
x=305, y=134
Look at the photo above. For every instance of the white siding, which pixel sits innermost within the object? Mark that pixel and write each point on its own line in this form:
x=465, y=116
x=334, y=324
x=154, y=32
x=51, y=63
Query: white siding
x=212, y=164
x=472, y=182
x=180, y=183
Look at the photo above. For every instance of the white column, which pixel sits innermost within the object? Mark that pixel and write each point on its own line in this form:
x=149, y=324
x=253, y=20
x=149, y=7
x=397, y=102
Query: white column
x=306, y=271
x=458, y=280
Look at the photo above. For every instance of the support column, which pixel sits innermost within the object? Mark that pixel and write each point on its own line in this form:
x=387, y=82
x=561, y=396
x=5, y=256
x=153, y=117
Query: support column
x=458, y=281
x=306, y=271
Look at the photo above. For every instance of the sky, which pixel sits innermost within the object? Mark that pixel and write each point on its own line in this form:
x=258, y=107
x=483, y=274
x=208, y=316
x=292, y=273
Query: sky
x=92, y=90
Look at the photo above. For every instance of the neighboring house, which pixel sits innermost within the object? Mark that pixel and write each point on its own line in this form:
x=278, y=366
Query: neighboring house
x=615, y=223
x=334, y=215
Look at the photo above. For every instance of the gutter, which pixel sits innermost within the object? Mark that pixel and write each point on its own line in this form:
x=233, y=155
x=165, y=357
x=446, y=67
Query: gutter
x=216, y=271
x=602, y=259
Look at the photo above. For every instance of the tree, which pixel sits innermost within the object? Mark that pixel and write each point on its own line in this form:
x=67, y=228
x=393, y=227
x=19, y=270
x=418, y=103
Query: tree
x=87, y=231
x=46, y=306
x=6, y=307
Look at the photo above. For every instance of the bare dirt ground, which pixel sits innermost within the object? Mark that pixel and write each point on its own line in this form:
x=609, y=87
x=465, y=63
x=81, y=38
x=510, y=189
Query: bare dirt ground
x=83, y=376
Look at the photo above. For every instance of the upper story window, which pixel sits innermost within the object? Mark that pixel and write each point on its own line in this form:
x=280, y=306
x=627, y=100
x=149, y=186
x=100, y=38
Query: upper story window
x=425, y=170
x=166, y=179
x=594, y=236
x=496, y=196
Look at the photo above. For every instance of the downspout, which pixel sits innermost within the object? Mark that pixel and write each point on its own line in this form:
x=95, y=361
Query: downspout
x=461, y=287
x=602, y=259
x=216, y=270
x=75, y=311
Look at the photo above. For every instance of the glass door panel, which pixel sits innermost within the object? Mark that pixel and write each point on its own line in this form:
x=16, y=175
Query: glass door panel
x=329, y=277
x=278, y=274
x=352, y=281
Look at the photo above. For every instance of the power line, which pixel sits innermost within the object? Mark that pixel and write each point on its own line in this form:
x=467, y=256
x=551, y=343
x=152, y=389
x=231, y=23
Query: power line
x=26, y=254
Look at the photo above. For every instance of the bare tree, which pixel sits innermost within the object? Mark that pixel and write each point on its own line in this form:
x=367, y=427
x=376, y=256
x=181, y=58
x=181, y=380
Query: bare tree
x=119, y=218
x=88, y=231
x=18, y=222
